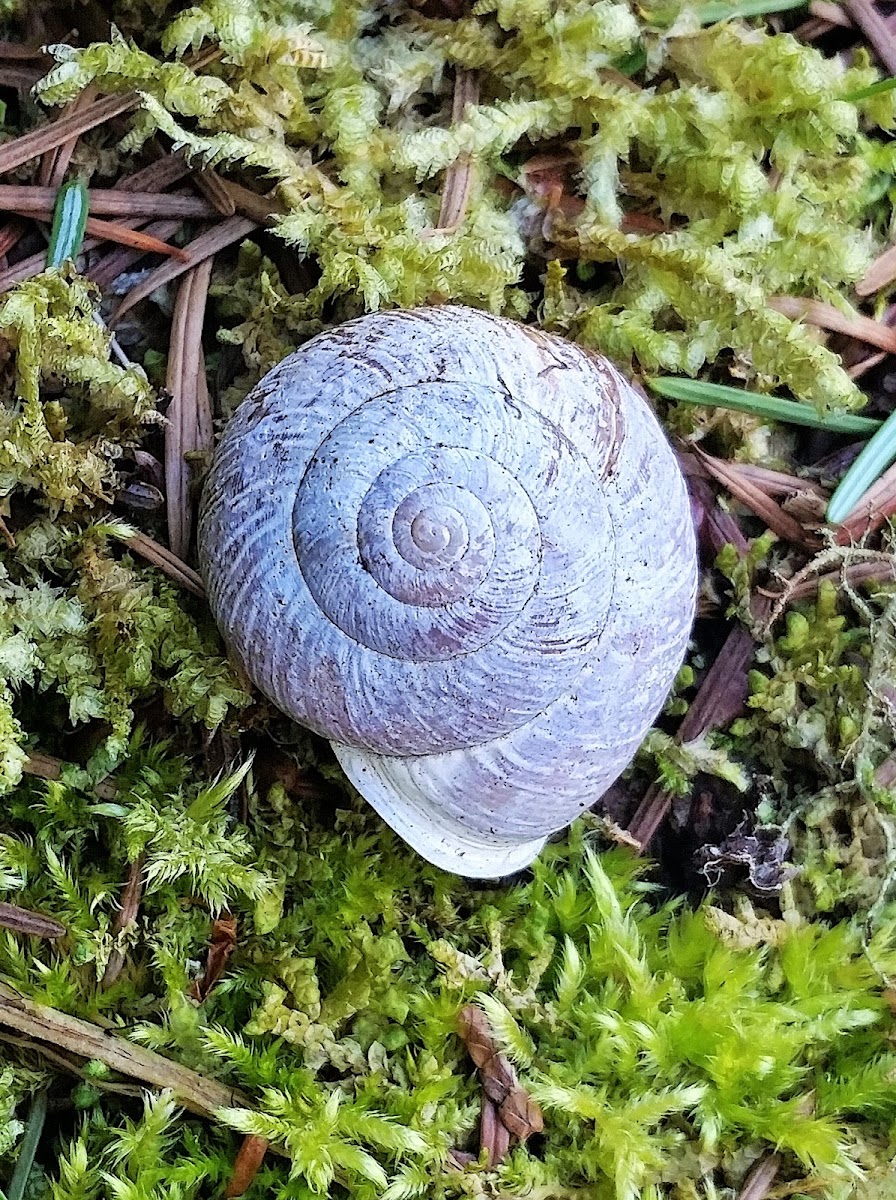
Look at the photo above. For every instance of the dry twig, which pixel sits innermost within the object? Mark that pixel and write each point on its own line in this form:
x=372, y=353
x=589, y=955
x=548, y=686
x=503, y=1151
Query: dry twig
x=45, y=766
x=160, y=556
x=31, y=924
x=111, y=202
x=761, y=1177
x=195, y=1092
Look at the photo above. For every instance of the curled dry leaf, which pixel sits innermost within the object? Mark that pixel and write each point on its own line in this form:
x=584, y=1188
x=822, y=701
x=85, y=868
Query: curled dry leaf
x=221, y=945
x=520, y=1115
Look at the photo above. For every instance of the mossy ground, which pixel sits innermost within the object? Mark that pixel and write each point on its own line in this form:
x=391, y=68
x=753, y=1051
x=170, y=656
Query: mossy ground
x=643, y=180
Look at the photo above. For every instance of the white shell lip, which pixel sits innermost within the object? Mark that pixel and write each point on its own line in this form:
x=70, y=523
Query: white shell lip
x=428, y=829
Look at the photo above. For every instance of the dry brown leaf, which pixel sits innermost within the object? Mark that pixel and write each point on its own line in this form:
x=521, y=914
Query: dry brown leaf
x=221, y=945
x=517, y=1111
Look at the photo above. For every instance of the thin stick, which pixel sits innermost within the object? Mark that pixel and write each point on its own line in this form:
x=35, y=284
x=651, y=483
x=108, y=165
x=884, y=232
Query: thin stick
x=31, y=924
x=110, y=202
x=182, y=434
x=205, y=246
x=195, y=1092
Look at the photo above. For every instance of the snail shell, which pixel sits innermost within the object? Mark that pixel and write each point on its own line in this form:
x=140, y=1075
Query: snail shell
x=461, y=550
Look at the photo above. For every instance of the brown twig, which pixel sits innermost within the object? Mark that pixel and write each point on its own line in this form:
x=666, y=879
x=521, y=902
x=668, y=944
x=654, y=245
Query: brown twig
x=185, y=430
x=195, y=1092
x=205, y=246
x=880, y=570
x=260, y=209
x=761, y=1177
x=110, y=202
x=246, y=1166
x=45, y=766
x=125, y=918
x=825, y=316
x=31, y=924
x=879, y=275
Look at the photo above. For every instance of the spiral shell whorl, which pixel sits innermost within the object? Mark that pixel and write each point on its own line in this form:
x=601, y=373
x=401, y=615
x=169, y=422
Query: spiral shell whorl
x=461, y=550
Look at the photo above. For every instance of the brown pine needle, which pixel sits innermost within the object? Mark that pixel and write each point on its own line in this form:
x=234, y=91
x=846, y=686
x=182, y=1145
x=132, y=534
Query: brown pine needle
x=55, y=163
x=110, y=231
x=182, y=435
x=205, y=246
x=212, y=187
x=459, y=176
x=761, y=1177
x=108, y=267
x=825, y=316
x=876, y=31
x=767, y=509
x=40, y=141
x=125, y=917
x=110, y=202
x=879, y=275
x=720, y=699
x=160, y=556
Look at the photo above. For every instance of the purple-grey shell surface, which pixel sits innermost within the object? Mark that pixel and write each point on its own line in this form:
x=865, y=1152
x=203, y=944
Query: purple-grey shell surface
x=462, y=550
